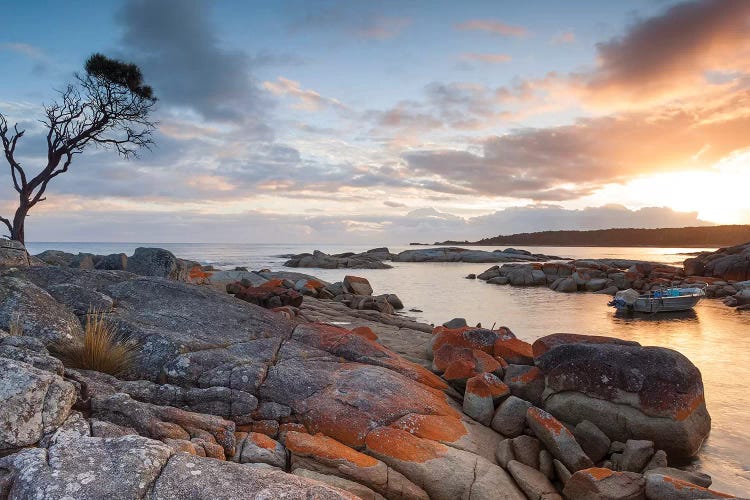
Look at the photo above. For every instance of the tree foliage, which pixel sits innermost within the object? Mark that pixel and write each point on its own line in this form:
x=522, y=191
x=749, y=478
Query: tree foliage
x=108, y=106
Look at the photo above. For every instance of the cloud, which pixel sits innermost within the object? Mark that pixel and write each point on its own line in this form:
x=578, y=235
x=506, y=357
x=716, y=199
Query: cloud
x=24, y=49
x=486, y=58
x=182, y=58
x=492, y=26
x=355, y=19
x=564, y=38
x=567, y=162
x=111, y=223
x=309, y=100
x=669, y=55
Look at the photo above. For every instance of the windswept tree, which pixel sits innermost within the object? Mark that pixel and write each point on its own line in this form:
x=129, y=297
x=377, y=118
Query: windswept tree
x=109, y=106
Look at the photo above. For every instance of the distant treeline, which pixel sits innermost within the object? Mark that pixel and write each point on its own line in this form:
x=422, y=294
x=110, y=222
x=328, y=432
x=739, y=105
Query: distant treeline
x=704, y=236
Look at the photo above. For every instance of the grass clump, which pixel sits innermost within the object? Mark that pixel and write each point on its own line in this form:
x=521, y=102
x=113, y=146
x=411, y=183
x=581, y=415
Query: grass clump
x=102, y=348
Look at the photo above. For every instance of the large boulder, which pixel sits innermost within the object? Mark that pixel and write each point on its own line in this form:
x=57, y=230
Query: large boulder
x=628, y=391
x=731, y=263
x=158, y=262
x=25, y=305
x=34, y=402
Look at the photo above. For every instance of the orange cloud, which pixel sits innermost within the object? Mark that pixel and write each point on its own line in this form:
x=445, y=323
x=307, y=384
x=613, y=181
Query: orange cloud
x=486, y=58
x=492, y=26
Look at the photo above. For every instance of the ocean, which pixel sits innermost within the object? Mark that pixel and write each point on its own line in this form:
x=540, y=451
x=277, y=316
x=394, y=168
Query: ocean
x=714, y=337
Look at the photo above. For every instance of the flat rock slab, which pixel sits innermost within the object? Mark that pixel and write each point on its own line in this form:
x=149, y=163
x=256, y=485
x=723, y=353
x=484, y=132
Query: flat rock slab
x=599, y=484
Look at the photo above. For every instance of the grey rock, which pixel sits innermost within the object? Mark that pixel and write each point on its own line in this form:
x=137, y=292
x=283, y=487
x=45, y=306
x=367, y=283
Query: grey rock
x=13, y=254
x=88, y=468
x=593, y=441
x=603, y=484
x=361, y=491
x=187, y=477
x=499, y=280
x=39, y=315
x=510, y=416
x=528, y=388
x=35, y=402
x=658, y=460
x=565, y=285
x=636, y=455
x=693, y=477
x=504, y=452
x=455, y=254
x=562, y=472
x=394, y=301
x=557, y=439
x=357, y=285
x=532, y=482
x=56, y=258
x=156, y=262
x=31, y=351
x=660, y=486
x=616, y=447
x=455, y=323
x=259, y=448
x=114, y=262
x=526, y=450
x=546, y=466
x=79, y=299
x=490, y=273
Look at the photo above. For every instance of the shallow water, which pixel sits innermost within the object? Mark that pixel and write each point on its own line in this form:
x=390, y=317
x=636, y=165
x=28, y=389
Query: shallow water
x=716, y=338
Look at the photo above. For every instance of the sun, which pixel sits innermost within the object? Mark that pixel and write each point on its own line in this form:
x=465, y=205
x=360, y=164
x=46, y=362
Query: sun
x=718, y=194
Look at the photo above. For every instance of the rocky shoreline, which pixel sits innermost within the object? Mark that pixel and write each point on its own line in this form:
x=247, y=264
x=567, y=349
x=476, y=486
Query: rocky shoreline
x=726, y=273
x=375, y=258
x=284, y=388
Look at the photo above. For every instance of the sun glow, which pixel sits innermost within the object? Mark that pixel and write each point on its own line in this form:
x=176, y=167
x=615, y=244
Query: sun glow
x=718, y=195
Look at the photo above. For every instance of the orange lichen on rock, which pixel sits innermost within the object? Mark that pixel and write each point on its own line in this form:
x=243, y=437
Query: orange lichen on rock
x=197, y=274
x=401, y=445
x=314, y=284
x=598, y=473
x=486, y=385
x=267, y=427
x=679, y=484
x=459, y=370
x=365, y=331
x=435, y=427
x=546, y=420
x=529, y=376
x=514, y=351
x=262, y=440
x=322, y=446
x=274, y=283
x=688, y=407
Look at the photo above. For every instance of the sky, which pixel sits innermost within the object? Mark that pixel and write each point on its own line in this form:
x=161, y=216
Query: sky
x=394, y=121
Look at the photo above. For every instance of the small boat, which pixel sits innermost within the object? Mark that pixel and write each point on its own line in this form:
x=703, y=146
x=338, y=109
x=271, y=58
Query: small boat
x=663, y=300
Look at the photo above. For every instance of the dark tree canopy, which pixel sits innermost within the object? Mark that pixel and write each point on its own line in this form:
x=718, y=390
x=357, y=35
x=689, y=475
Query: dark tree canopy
x=108, y=106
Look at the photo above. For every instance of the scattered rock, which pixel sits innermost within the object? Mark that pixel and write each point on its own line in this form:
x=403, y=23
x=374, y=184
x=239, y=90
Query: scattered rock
x=13, y=254
x=636, y=455
x=699, y=478
x=510, y=417
x=532, y=482
x=605, y=484
x=557, y=439
x=526, y=450
x=662, y=486
x=455, y=323
x=357, y=285
x=592, y=440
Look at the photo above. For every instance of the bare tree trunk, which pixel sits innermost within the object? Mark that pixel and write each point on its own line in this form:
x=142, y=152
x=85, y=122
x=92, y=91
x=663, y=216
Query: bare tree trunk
x=19, y=220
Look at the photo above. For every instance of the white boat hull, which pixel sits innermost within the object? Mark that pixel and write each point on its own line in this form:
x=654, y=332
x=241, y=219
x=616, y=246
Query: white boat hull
x=665, y=304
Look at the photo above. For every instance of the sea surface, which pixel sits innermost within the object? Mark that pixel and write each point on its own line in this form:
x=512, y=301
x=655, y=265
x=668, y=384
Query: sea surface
x=714, y=337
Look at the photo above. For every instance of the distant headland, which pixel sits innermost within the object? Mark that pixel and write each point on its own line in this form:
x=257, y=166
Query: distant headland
x=692, y=237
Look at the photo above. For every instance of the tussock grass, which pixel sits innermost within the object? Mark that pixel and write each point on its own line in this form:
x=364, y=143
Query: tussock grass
x=102, y=348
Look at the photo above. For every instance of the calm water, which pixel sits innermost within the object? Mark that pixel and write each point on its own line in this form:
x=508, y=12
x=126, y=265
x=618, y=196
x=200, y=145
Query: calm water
x=714, y=337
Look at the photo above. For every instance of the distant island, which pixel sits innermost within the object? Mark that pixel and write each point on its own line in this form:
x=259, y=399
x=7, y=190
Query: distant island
x=694, y=237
